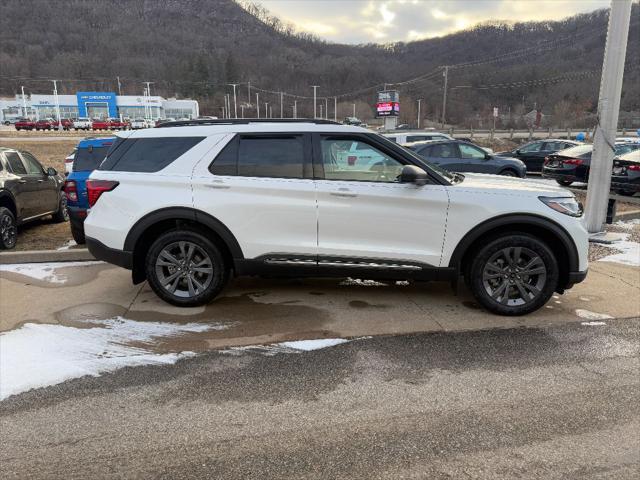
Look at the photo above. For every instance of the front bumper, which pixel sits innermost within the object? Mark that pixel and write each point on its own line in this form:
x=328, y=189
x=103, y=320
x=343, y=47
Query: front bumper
x=576, y=277
x=120, y=258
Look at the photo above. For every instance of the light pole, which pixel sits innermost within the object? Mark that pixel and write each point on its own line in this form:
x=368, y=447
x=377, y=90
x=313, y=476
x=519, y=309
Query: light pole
x=320, y=110
x=444, y=95
x=295, y=109
x=24, y=103
x=249, y=93
x=326, y=108
x=57, y=102
x=281, y=107
x=335, y=109
x=257, y=105
x=266, y=109
x=608, y=109
x=315, y=88
x=235, y=102
x=354, y=110
x=241, y=111
x=119, y=86
x=419, y=100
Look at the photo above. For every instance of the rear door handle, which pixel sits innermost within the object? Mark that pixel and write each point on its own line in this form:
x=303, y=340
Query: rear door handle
x=344, y=192
x=22, y=181
x=217, y=184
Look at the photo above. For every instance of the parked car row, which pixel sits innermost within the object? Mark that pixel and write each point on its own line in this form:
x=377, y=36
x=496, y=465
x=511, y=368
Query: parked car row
x=573, y=165
x=83, y=123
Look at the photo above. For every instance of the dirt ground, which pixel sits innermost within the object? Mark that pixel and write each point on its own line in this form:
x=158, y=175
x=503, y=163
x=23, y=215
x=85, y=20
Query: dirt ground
x=50, y=154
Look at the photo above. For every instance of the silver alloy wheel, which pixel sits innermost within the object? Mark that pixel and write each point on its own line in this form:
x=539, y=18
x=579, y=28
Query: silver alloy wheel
x=8, y=231
x=184, y=269
x=514, y=276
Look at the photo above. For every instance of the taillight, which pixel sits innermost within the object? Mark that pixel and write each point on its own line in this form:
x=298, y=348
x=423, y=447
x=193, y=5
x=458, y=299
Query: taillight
x=71, y=189
x=635, y=168
x=351, y=159
x=95, y=188
x=572, y=161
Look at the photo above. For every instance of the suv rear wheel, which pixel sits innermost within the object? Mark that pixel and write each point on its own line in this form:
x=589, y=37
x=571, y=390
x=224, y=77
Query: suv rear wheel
x=185, y=268
x=514, y=274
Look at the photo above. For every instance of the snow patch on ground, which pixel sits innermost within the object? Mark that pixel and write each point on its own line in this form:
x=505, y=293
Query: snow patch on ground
x=593, y=324
x=297, y=346
x=629, y=252
x=46, y=272
x=308, y=345
x=362, y=283
x=588, y=315
x=66, y=246
x=40, y=355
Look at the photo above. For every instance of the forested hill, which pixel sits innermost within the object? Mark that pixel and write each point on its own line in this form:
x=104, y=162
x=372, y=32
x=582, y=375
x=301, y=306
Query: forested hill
x=195, y=47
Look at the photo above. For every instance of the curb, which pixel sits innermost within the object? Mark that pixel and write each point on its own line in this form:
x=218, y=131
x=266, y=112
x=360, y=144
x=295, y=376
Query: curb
x=631, y=215
x=43, y=256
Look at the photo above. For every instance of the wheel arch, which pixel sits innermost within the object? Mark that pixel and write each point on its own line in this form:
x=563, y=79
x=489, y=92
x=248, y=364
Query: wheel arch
x=143, y=233
x=7, y=201
x=553, y=234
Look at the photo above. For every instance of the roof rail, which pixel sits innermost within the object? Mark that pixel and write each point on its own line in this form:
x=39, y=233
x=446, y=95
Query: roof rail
x=244, y=121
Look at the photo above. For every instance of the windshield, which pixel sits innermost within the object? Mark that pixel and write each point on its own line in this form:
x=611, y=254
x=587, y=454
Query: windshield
x=89, y=158
x=444, y=173
x=576, y=151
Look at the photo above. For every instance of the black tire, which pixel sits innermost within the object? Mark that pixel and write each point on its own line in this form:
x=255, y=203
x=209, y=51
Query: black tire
x=77, y=232
x=509, y=173
x=564, y=183
x=8, y=229
x=503, y=292
x=164, y=274
x=625, y=193
x=62, y=215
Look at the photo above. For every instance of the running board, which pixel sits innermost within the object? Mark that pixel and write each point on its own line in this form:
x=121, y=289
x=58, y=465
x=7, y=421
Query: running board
x=337, y=263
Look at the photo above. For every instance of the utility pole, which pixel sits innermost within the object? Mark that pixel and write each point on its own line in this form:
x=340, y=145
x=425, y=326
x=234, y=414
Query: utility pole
x=321, y=111
x=24, y=103
x=257, y=105
x=266, y=109
x=295, y=109
x=444, y=95
x=235, y=102
x=271, y=111
x=419, y=100
x=315, y=106
x=335, y=109
x=281, y=107
x=608, y=109
x=354, y=110
x=249, y=93
x=326, y=108
x=119, y=86
x=241, y=111
x=55, y=98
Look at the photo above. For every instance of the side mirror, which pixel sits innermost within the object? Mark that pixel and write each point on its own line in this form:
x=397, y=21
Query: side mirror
x=413, y=174
x=517, y=152
x=51, y=172
x=487, y=156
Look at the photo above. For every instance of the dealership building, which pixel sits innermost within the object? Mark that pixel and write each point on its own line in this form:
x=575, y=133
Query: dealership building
x=97, y=105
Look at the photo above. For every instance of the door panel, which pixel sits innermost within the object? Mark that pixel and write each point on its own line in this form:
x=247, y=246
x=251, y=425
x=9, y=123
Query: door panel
x=267, y=215
x=43, y=192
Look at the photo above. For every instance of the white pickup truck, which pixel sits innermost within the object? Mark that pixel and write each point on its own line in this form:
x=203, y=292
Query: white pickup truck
x=82, y=123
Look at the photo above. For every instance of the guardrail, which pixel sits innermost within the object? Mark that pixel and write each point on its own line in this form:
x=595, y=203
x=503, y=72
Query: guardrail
x=513, y=134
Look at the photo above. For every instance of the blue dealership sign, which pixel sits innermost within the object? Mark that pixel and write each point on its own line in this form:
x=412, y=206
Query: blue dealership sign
x=107, y=99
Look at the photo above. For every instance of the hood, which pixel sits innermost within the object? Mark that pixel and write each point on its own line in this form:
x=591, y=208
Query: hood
x=499, y=184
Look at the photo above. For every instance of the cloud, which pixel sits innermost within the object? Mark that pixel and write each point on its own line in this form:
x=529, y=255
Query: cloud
x=352, y=21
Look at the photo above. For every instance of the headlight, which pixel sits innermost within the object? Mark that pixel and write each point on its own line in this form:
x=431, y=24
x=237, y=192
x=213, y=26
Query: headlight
x=567, y=205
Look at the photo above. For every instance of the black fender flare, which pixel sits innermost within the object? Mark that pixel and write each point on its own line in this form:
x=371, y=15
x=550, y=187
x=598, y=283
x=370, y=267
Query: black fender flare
x=7, y=194
x=183, y=213
x=522, y=219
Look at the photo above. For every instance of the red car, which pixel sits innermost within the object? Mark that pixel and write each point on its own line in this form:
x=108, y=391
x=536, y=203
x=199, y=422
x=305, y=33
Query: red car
x=100, y=124
x=25, y=124
x=45, y=124
x=117, y=124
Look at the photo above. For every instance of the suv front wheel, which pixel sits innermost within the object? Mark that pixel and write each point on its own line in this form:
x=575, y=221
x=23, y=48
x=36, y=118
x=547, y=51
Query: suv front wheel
x=185, y=268
x=514, y=274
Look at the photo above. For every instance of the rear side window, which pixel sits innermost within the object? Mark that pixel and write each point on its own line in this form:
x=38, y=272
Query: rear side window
x=15, y=164
x=275, y=156
x=89, y=158
x=147, y=154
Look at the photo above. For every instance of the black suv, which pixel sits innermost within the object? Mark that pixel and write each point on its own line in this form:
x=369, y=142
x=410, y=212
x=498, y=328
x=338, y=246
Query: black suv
x=534, y=153
x=27, y=192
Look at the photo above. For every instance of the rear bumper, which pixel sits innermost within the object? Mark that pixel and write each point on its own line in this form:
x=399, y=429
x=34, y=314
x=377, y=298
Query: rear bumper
x=627, y=186
x=120, y=258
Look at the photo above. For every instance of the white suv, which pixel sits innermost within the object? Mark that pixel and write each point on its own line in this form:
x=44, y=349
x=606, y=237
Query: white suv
x=188, y=204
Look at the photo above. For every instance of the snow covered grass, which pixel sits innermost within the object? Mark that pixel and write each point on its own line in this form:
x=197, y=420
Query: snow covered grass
x=46, y=272
x=40, y=355
x=628, y=252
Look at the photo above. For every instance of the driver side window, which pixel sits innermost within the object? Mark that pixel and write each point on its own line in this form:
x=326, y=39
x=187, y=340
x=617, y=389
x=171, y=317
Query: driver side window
x=532, y=147
x=470, y=152
x=353, y=159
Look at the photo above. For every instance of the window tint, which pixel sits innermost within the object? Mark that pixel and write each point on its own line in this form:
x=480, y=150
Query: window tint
x=279, y=156
x=444, y=150
x=471, y=152
x=89, y=158
x=33, y=166
x=346, y=159
x=532, y=147
x=15, y=164
x=417, y=138
x=147, y=154
x=553, y=146
x=425, y=151
x=226, y=163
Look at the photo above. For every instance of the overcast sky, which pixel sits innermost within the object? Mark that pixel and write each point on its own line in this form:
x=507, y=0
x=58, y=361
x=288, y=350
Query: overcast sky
x=382, y=21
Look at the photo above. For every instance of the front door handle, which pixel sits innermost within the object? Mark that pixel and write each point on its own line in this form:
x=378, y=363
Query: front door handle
x=344, y=192
x=217, y=184
x=22, y=181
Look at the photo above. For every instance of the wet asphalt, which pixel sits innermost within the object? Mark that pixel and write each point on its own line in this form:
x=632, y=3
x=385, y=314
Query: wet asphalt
x=560, y=402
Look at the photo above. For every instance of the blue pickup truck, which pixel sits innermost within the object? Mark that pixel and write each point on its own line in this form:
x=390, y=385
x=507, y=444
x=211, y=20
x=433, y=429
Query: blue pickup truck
x=90, y=153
